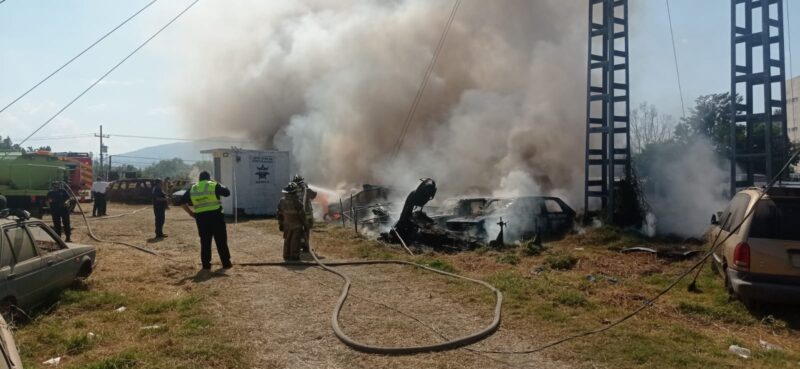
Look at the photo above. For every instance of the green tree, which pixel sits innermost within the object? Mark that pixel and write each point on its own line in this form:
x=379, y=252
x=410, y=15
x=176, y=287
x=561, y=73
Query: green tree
x=711, y=117
x=173, y=168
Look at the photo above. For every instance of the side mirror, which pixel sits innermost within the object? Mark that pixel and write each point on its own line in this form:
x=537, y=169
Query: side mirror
x=714, y=220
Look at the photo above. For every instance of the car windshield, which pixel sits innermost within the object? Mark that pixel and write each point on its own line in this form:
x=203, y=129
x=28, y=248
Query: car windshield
x=496, y=205
x=777, y=218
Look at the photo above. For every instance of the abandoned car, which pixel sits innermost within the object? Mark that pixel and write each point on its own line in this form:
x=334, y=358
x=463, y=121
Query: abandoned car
x=362, y=202
x=523, y=218
x=36, y=264
x=131, y=191
x=760, y=260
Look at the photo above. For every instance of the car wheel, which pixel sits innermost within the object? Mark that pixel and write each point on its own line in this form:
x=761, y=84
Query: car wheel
x=8, y=309
x=85, y=271
x=728, y=285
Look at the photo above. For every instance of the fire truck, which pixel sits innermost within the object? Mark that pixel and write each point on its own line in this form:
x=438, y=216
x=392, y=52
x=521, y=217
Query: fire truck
x=79, y=167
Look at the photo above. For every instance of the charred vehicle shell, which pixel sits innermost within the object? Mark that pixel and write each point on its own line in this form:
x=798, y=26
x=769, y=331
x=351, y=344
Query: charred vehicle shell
x=526, y=217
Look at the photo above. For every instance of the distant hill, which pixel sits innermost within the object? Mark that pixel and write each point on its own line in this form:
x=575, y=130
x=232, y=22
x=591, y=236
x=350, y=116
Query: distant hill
x=189, y=151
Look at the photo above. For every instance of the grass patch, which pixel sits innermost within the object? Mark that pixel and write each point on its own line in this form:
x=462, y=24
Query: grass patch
x=512, y=259
x=121, y=361
x=561, y=261
x=728, y=312
x=571, y=299
x=531, y=248
x=92, y=300
x=440, y=265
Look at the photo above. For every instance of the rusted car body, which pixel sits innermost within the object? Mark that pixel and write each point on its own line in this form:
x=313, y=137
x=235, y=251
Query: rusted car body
x=131, y=191
x=526, y=217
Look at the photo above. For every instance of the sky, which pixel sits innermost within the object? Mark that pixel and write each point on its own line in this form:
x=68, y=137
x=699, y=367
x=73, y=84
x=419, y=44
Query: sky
x=37, y=36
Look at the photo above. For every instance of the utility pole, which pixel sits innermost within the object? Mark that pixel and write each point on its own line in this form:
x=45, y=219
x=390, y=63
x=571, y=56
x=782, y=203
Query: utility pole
x=103, y=148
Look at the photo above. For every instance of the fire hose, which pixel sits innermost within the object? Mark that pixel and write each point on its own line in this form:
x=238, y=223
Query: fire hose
x=337, y=330
x=491, y=328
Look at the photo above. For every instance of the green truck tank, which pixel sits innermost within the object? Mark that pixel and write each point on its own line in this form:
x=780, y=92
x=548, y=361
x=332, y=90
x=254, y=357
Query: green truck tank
x=25, y=179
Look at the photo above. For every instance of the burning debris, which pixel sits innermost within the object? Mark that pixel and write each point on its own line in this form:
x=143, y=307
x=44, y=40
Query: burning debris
x=468, y=223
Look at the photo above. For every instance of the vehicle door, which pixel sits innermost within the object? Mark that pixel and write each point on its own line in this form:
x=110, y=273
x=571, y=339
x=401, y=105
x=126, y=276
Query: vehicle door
x=24, y=280
x=6, y=260
x=731, y=218
x=774, y=238
x=557, y=220
x=57, y=262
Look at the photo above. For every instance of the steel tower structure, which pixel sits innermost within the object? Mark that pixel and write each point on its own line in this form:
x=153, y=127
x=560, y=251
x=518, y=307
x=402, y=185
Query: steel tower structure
x=758, y=90
x=607, y=104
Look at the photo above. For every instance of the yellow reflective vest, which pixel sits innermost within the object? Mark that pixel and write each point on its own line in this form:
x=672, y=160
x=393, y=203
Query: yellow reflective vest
x=204, y=197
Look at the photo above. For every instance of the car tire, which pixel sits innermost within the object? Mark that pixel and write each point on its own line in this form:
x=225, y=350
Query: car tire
x=85, y=271
x=8, y=309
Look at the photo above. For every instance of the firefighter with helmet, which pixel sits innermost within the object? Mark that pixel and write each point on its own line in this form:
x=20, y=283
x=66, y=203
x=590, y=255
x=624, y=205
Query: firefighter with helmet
x=306, y=195
x=291, y=221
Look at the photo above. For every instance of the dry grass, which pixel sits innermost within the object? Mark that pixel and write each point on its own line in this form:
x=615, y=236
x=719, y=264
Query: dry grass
x=279, y=317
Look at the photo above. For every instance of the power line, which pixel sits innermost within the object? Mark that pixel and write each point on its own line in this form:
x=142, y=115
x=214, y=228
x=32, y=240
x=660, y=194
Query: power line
x=412, y=111
x=76, y=56
x=675, y=57
x=152, y=158
x=177, y=138
x=109, y=71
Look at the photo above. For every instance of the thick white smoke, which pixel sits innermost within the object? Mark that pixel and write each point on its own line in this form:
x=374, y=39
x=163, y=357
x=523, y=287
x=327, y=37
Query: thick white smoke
x=332, y=81
x=686, y=189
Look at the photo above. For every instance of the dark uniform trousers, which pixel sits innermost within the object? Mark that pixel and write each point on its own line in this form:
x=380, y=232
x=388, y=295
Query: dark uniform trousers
x=61, y=217
x=211, y=225
x=292, y=242
x=160, y=213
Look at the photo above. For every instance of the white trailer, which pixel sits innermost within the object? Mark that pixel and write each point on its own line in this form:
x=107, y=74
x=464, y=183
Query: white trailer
x=255, y=178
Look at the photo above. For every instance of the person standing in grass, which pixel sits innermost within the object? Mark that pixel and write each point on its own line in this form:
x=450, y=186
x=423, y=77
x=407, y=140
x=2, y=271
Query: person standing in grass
x=159, y=208
x=204, y=197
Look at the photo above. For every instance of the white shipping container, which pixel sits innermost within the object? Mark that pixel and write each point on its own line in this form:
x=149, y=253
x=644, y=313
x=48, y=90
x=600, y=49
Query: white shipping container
x=254, y=177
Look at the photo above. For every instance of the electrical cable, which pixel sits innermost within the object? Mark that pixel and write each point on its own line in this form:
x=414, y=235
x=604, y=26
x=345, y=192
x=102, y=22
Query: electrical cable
x=91, y=234
x=492, y=327
x=76, y=56
x=415, y=103
x=675, y=57
x=176, y=138
x=652, y=300
x=95, y=83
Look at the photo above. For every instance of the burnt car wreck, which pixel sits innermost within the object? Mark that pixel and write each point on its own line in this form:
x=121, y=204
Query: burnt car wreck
x=472, y=222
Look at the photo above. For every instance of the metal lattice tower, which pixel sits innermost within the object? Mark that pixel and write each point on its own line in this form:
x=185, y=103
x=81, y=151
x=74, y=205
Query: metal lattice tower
x=607, y=103
x=758, y=78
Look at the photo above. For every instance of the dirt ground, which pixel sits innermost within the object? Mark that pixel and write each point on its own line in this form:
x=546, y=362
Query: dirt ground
x=280, y=316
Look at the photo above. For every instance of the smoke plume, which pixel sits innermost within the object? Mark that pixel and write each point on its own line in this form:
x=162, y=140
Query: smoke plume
x=686, y=188
x=332, y=82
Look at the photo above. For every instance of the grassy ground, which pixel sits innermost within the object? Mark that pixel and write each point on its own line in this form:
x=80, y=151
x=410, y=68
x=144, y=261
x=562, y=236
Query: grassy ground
x=85, y=329
x=249, y=318
x=583, y=282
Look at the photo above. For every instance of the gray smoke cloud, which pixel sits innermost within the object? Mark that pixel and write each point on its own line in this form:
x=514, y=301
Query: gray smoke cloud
x=685, y=189
x=332, y=82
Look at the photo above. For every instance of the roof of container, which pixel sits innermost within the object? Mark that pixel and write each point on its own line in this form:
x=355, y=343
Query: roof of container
x=228, y=149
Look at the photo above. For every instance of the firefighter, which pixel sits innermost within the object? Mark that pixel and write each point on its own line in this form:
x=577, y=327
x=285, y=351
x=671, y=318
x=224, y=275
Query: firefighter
x=159, y=208
x=204, y=196
x=59, y=201
x=291, y=222
x=307, y=195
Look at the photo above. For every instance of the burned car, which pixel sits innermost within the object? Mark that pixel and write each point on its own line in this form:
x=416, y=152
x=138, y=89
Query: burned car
x=371, y=196
x=35, y=263
x=457, y=207
x=523, y=218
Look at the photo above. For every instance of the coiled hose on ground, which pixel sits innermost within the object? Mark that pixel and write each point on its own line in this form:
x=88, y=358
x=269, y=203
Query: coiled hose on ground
x=337, y=329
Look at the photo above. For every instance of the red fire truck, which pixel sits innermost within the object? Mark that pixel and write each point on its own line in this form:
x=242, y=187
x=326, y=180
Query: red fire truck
x=80, y=173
